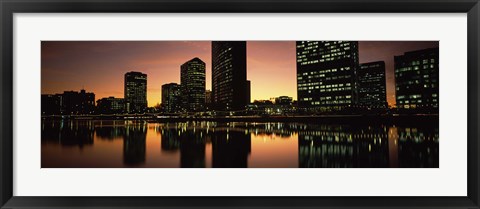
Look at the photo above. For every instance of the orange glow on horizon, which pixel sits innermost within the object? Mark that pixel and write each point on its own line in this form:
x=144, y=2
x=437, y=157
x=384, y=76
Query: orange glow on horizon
x=99, y=66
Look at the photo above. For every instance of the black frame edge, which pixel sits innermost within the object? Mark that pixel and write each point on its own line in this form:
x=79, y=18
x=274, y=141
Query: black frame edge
x=6, y=105
x=9, y=7
x=473, y=103
x=242, y=6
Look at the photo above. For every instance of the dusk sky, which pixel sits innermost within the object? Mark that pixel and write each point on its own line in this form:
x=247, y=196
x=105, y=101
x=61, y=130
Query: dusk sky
x=99, y=66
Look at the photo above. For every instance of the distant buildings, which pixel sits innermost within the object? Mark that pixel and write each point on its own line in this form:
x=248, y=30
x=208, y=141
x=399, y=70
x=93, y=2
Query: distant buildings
x=135, y=92
x=192, y=82
x=110, y=105
x=171, y=98
x=68, y=103
x=282, y=105
x=372, y=91
x=229, y=75
x=326, y=75
x=283, y=100
x=208, y=99
x=74, y=102
x=416, y=80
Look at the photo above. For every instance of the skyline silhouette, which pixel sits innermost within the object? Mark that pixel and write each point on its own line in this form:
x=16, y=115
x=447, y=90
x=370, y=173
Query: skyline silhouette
x=271, y=65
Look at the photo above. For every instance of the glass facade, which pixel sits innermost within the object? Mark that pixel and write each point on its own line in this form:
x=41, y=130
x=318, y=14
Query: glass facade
x=372, y=91
x=135, y=92
x=192, y=82
x=326, y=74
x=416, y=79
x=230, y=88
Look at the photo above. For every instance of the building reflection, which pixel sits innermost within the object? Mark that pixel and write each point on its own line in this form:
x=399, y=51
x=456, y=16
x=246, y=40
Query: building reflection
x=169, y=142
x=230, y=149
x=188, y=140
x=367, y=147
x=68, y=133
x=192, y=149
x=134, y=142
x=110, y=130
x=230, y=145
x=393, y=147
x=418, y=147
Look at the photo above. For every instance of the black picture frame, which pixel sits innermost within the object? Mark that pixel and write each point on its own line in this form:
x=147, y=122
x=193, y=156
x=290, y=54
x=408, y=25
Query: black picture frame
x=9, y=7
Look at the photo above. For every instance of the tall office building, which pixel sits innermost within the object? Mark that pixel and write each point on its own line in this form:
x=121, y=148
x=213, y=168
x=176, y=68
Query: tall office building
x=248, y=91
x=135, y=92
x=372, y=91
x=192, y=81
x=171, y=98
x=326, y=75
x=230, y=87
x=416, y=79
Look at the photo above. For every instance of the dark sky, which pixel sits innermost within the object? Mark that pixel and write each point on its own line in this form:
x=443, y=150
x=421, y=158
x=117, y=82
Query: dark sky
x=99, y=66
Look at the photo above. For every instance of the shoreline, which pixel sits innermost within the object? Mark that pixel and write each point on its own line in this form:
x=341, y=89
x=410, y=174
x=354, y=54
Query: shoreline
x=431, y=118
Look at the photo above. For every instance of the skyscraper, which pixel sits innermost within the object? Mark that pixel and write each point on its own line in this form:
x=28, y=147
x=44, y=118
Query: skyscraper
x=171, y=98
x=248, y=92
x=372, y=91
x=416, y=79
x=192, y=81
x=135, y=92
x=326, y=75
x=229, y=75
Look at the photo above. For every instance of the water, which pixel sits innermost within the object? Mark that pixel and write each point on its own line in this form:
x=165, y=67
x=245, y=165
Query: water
x=118, y=144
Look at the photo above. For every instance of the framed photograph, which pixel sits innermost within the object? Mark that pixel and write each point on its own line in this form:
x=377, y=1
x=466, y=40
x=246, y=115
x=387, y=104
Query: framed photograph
x=239, y=104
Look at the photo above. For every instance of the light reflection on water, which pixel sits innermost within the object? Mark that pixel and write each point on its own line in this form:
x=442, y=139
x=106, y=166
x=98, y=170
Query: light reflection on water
x=96, y=144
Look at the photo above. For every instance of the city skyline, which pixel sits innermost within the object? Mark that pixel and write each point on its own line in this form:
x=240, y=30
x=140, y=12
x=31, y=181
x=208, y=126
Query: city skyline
x=271, y=65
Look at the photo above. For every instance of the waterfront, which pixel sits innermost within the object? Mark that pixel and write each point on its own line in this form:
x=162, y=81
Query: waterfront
x=123, y=143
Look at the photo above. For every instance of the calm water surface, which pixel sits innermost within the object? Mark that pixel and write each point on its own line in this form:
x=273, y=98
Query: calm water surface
x=106, y=144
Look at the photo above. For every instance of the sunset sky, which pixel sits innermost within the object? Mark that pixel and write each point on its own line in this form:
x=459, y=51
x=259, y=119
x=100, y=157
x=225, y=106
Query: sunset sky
x=99, y=66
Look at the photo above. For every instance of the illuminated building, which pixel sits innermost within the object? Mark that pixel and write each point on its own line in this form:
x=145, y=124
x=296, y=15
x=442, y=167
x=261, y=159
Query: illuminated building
x=372, y=91
x=192, y=82
x=171, y=97
x=326, y=75
x=283, y=100
x=416, y=80
x=110, y=105
x=229, y=75
x=135, y=92
x=282, y=105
